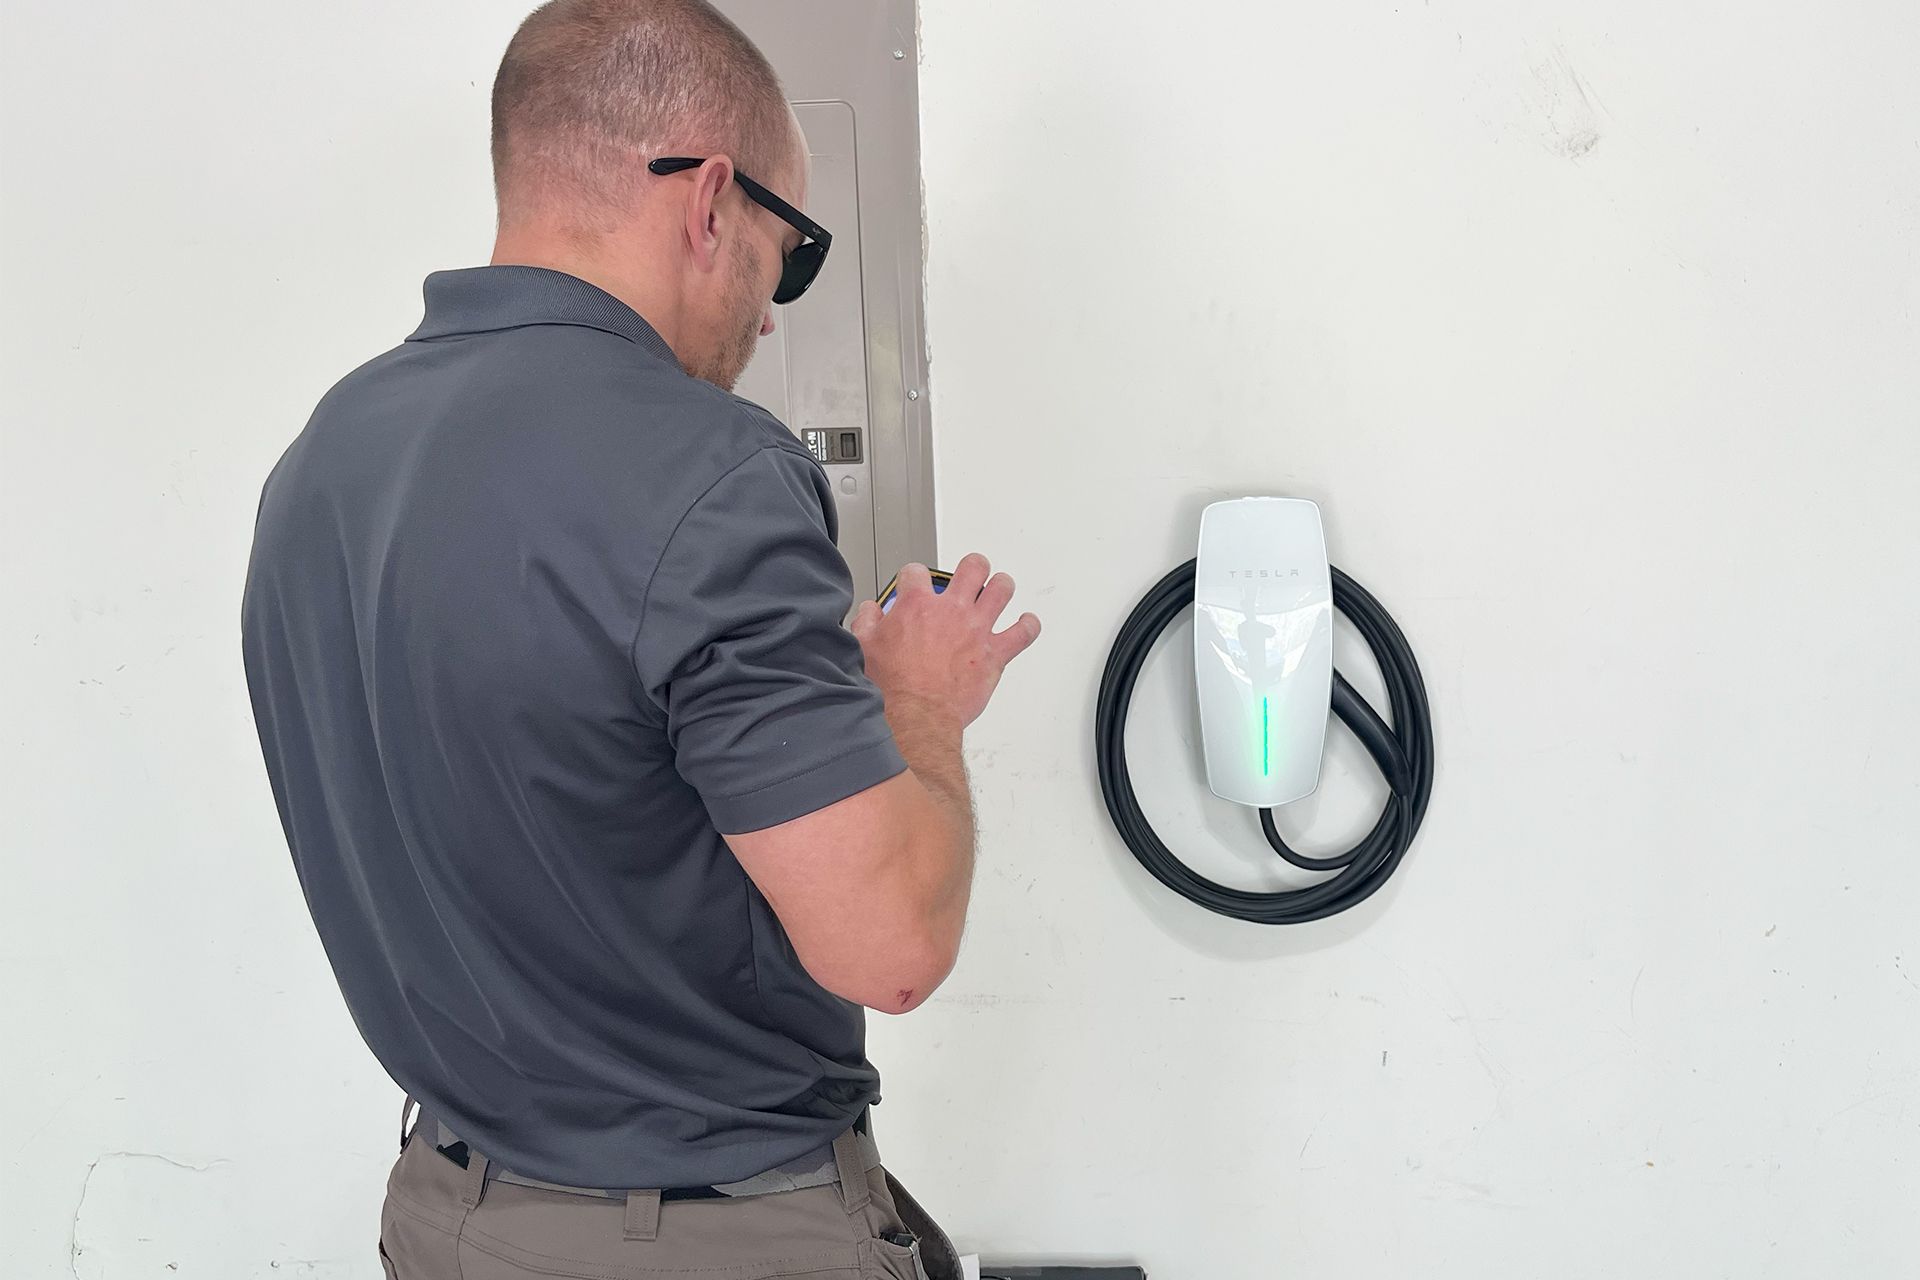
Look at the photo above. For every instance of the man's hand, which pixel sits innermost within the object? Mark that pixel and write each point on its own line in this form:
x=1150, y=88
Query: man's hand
x=937, y=655
x=873, y=890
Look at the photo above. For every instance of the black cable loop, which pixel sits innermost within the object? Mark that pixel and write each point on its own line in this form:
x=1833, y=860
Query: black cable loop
x=1403, y=749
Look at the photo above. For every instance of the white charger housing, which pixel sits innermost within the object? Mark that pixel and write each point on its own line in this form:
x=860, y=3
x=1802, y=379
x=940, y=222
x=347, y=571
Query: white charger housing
x=1263, y=648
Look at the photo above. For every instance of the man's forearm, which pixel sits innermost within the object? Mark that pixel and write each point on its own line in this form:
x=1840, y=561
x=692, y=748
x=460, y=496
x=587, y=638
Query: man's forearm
x=930, y=742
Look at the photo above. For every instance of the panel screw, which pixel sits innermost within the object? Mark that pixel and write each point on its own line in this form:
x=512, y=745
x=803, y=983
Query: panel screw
x=913, y=395
x=899, y=54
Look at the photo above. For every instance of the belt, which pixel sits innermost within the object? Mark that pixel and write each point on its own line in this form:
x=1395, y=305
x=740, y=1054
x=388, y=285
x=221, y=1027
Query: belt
x=847, y=1160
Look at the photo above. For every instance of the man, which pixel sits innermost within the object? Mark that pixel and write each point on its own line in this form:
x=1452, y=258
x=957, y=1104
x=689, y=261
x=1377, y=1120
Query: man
x=608, y=825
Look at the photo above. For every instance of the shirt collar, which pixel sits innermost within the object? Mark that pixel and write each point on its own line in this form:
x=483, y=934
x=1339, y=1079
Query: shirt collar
x=485, y=299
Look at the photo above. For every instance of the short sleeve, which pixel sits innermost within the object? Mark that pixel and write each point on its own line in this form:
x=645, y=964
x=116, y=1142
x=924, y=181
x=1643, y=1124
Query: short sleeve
x=742, y=646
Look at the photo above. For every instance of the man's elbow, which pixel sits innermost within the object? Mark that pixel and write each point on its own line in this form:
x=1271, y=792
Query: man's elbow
x=915, y=986
x=905, y=980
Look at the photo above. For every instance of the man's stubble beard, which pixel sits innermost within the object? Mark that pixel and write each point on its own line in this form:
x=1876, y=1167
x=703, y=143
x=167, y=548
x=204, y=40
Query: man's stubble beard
x=730, y=361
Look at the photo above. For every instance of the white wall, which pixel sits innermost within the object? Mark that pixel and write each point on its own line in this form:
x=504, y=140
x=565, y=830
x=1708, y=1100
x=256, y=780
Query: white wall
x=1593, y=328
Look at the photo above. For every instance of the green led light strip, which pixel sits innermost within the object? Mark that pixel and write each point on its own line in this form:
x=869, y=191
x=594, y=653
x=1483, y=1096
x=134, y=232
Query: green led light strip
x=1265, y=769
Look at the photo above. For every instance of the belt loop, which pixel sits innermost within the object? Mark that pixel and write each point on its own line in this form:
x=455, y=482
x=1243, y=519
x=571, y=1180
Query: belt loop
x=853, y=1172
x=407, y=1105
x=643, y=1215
x=476, y=1180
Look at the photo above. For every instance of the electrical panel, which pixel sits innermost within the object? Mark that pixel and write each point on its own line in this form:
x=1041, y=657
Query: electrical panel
x=845, y=368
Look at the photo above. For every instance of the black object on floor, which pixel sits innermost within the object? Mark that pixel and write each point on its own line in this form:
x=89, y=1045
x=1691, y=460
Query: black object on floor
x=990, y=1272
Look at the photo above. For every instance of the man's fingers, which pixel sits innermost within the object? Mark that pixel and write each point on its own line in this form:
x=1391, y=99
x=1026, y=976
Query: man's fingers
x=865, y=619
x=914, y=580
x=1011, y=643
x=994, y=597
x=969, y=575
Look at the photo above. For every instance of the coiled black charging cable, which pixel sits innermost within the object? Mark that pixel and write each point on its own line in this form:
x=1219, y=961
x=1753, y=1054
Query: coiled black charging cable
x=1403, y=750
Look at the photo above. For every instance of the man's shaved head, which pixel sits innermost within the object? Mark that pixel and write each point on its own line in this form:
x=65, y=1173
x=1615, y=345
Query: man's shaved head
x=590, y=90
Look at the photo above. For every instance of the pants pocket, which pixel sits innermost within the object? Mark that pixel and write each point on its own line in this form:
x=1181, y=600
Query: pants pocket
x=934, y=1254
x=890, y=1261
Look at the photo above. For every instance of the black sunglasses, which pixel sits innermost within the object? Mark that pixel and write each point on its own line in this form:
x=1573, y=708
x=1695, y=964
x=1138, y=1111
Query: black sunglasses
x=804, y=263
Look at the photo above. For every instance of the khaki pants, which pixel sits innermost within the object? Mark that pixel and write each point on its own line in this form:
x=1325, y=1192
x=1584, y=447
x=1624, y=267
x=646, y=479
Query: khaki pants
x=445, y=1222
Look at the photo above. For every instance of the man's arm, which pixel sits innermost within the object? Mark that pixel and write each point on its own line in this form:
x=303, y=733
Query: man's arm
x=873, y=890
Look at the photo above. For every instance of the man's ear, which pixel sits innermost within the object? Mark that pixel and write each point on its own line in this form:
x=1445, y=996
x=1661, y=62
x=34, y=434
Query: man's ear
x=711, y=181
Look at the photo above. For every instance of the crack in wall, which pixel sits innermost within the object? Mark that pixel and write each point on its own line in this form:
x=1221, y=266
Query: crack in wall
x=86, y=1183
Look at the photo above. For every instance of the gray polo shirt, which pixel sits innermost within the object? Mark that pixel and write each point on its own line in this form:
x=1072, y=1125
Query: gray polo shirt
x=532, y=617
